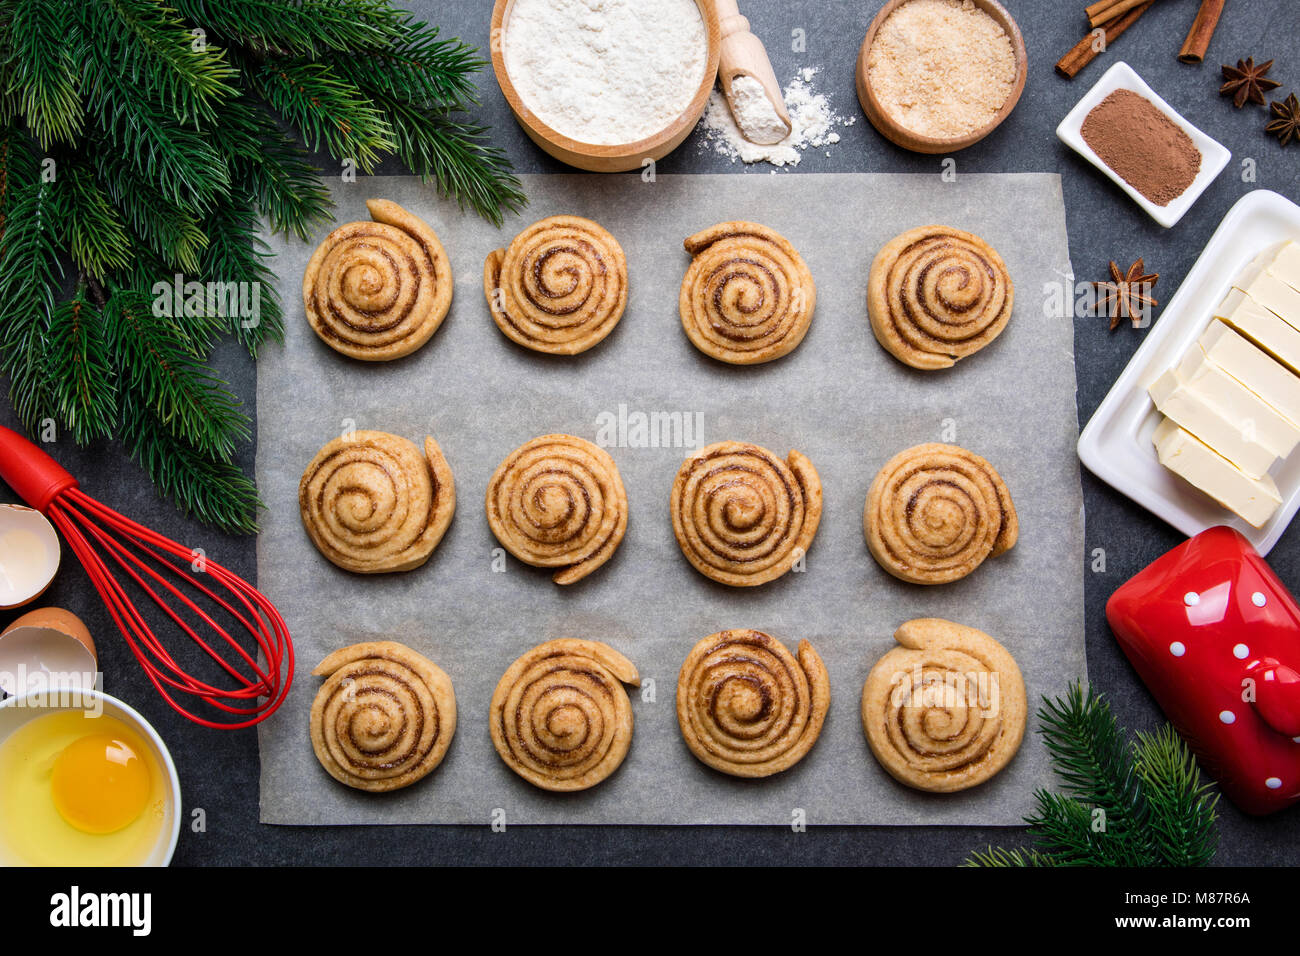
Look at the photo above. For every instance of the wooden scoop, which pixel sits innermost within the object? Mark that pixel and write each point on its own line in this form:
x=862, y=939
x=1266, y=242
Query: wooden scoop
x=743, y=53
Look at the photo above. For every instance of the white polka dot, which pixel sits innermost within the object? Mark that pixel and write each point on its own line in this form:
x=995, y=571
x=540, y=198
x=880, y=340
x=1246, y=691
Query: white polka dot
x=1227, y=716
x=1258, y=599
x=1177, y=649
x=1272, y=783
x=1295, y=740
x=1191, y=599
x=1240, y=652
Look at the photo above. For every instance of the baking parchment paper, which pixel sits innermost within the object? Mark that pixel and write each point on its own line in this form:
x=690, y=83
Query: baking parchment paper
x=839, y=398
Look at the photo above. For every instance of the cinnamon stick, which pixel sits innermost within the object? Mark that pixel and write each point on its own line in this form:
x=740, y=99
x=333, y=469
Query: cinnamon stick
x=1087, y=49
x=1093, y=9
x=1198, y=38
x=1111, y=11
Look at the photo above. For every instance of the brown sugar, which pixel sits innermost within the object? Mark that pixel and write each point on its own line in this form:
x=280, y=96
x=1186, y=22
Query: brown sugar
x=941, y=68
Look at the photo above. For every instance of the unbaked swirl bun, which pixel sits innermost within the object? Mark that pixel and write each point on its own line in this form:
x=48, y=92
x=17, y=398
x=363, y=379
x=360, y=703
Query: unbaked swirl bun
x=560, y=717
x=383, y=718
x=378, y=290
x=371, y=502
x=747, y=706
x=935, y=512
x=558, y=502
x=936, y=295
x=560, y=287
x=945, y=710
x=747, y=296
x=743, y=516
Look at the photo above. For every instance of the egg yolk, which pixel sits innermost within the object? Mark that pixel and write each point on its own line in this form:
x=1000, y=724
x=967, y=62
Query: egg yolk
x=99, y=784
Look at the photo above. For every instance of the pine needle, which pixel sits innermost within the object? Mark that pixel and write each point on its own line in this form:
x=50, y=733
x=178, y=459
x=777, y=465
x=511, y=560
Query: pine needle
x=1142, y=804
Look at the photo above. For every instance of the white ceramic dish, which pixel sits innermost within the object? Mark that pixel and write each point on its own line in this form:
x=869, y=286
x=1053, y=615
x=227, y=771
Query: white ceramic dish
x=17, y=711
x=1116, y=444
x=1214, y=155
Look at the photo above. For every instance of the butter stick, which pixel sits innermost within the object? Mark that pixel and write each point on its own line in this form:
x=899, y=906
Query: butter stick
x=1282, y=263
x=1191, y=410
x=1262, y=327
x=1253, y=367
x=1238, y=404
x=1270, y=292
x=1255, y=500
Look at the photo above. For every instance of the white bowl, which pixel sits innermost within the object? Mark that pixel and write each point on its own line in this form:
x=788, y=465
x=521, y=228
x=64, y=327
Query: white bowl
x=1214, y=155
x=1116, y=444
x=17, y=711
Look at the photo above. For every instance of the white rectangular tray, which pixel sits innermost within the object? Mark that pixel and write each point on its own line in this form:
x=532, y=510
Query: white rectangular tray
x=1116, y=444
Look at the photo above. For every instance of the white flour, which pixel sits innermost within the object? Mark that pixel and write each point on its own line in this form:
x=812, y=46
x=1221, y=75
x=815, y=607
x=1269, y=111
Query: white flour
x=605, y=71
x=812, y=120
x=754, y=112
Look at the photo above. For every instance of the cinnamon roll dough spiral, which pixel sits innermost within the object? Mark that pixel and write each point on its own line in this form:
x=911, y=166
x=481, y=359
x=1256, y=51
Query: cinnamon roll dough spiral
x=560, y=287
x=935, y=512
x=558, y=502
x=747, y=706
x=945, y=710
x=384, y=717
x=371, y=502
x=560, y=717
x=378, y=290
x=742, y=516
x=747, y=297
x=936, y=295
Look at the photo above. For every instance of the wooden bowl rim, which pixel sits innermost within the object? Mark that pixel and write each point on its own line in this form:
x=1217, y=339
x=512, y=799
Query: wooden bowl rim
x=902, y=136
x=614, y=151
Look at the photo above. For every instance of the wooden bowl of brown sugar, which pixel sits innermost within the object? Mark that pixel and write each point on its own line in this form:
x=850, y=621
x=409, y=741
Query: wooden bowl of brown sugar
x=936, y=76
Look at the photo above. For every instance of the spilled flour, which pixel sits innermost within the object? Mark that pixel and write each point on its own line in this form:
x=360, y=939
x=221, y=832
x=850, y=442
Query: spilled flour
x=814, y=125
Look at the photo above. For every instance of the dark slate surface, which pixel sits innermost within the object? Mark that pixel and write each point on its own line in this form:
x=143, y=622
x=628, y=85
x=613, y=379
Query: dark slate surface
x=219, y=769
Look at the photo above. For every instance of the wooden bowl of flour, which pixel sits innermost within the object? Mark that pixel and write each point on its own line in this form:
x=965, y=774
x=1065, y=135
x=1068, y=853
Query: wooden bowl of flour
x=599, y=157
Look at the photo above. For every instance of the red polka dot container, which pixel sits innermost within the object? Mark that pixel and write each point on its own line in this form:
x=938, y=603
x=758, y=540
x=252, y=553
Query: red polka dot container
x=1215, y=636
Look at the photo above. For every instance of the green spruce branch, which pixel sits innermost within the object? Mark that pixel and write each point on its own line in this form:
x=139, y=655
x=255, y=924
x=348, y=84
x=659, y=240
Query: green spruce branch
x=1139, y=803
x=144, y=143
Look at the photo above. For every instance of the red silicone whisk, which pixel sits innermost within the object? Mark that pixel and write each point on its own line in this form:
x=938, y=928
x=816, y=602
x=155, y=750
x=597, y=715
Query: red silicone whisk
x=93, y=531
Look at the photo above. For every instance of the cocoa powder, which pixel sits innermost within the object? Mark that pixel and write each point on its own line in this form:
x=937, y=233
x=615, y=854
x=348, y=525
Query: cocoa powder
x=1147, y=149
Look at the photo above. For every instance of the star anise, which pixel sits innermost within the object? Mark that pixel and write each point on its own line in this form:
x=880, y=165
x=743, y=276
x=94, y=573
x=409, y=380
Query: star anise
x=1285, y=124
x=1246, y=82
x=1127, y=295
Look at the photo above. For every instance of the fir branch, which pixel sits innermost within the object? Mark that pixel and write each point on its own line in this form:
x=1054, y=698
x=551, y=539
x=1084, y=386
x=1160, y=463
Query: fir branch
x=999, y=857
x=81, y=375
x=182, y=162
x=170, y=231
x=1091, y=758
x=327, y=110
x=456, y=156
x=1138, y=805
x=170, y=380
x=276, y=171
x=97, y=236
x=158, y=54
x=31, y=273
x=420, y=69
x=43, y=70
x=18, y=166
x=214, y=491
x=307, y=27
x=237, y=256
x=1182, y=819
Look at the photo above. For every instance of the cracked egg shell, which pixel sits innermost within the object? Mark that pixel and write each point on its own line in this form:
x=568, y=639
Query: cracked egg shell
x=48, y=640
x=29, y=555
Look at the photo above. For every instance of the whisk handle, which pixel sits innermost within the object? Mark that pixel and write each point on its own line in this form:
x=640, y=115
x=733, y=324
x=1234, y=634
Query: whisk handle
x=35, y=476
